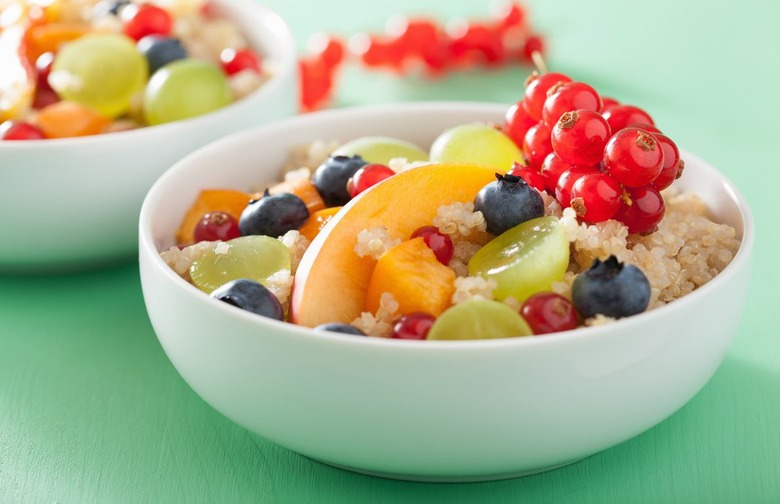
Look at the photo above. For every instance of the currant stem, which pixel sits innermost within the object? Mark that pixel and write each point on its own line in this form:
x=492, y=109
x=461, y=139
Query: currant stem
x=538, y=61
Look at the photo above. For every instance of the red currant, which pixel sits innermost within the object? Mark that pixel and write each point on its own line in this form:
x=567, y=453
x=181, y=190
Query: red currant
x=508, y=13
x=470, y=39
x=647, y=127
x=537, y=144
x=328, y=48
x=517, y=122
x=217, y=226
x=596, y=197
x=375, y=52
x=315, y=83
x=579, y=137
x=413, y=36
x=234, y=61
x=568, y=97
x=366, y=177
x=528, y=174
x=621, y=116
x=642, y=211
x=536, y=88
x=608, y=102
x=413, y=326
x=141, y=20
x=547, y=312
x=17, y=130
x=633, y=157
x=672, y=163
x=566, y=182
x=440, y=243
x=43, y=66
x=533, y=44
x=551, y=170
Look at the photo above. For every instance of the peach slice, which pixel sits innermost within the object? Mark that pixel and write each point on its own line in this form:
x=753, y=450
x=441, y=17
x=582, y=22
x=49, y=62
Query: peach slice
x=317, y=221
x=416, y=279
x=65, y=119
x=304, y=189
x=332, y=280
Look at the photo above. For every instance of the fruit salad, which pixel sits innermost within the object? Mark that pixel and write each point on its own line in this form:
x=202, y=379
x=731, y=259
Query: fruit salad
x=84, y=67
x=566, y=215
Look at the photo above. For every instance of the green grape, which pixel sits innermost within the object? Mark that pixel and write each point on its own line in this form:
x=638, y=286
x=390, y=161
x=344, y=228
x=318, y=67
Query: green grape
x=476, y=143
x=525, y=259
x=253, y=257
x=100, y=71
x=479, y=319
x=183, y=89
x=378, y=149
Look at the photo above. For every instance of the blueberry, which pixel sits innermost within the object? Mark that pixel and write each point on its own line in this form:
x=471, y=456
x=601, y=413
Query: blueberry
x=273, y=215
x=507, y=202
x=250, y=296
x=612, y=289
x=159, y=51
x=340, y=328
x=332, y=176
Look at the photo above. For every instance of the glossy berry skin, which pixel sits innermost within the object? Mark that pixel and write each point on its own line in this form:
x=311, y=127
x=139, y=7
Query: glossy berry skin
x=273, y=215
x=18, y=130
x=633, y=157
x=643, y=210
x=440, y=243
x=607, y=103
x=517, y=123
x=610, y=288
x=141, y=20
x=536, y=88
x=567, y=97
x=672, y=167
x=327, y=48
x=507, y=202
x=413, y=326
x=332, y=176
x=537, y=144
x=368, y=176
x=534, y=44
x=250, y=296
x=551, y=170
x=547, y=312
x=216, y=226
x=234, y=61
x=596, y=197
x=340, y=328
x=531, y=176
x=566, y=182
x=622, y=116
x=579, y=137
x=159, y=51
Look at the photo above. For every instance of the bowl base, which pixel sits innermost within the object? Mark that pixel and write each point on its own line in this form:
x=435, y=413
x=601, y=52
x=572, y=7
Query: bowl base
x=449, y=479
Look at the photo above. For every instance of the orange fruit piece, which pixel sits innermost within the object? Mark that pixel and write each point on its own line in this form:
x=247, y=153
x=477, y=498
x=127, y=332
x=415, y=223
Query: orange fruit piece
x=66, y=119
x=229, y=201
x=304, y=189
x=317, y=221
x=51, y=36
x=412, y=274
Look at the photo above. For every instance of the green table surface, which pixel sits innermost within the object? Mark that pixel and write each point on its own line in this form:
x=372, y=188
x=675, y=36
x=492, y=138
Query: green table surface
x=91, y=410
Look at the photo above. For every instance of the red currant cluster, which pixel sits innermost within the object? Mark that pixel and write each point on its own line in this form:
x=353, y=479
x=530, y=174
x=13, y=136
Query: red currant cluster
x=604, y=159
x=413, y=45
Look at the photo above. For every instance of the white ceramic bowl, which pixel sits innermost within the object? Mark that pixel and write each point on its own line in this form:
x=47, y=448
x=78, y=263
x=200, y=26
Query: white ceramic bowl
x=429, y=410
x=75, y=202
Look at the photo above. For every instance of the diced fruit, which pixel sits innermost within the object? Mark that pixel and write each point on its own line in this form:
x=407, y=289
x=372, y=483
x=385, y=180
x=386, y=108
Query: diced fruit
x=100, y=71
x=412, y=274
x=340, y=328
x=367, y=176
x=507, y=202
x=317, y=221
x=524, y=260
x=479, y=319
x=304, y=189
x=331, y=262
x=184, y=89
x=17, y=78
x=413, y=326
x=612, y=289
x=633, y=157
x=211, y=200
x=332, y=176
x=476, y=143
x=217, y=226
x=234, y=61
x=273, y=215
x=50, y=37
x=17, y=130
x=547, y=312
x=380, y=150
x=440, y=243
x=250, y=296
x=252, y=257
x=159, y=51
x=67, y=119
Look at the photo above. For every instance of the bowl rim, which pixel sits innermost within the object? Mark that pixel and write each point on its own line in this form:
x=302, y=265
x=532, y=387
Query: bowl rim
x=284, y=66
x=154, y=196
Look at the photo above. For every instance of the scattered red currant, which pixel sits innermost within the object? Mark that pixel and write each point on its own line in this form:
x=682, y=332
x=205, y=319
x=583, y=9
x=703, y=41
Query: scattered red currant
x=216, y=226
x=579, y=137
x=596, y=197
x=642, y=211
x=18, y=130
x=141, y=20
x=366, y=177
x=547, y=312
x=328, y=48
x=413, y=326
x=440, y=243
x=633, y=157
x=237, y=60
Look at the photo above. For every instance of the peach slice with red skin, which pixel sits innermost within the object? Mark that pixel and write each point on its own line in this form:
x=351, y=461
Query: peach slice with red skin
x=331, y=283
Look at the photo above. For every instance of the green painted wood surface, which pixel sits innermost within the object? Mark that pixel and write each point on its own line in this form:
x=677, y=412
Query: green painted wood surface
x=92, y=411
